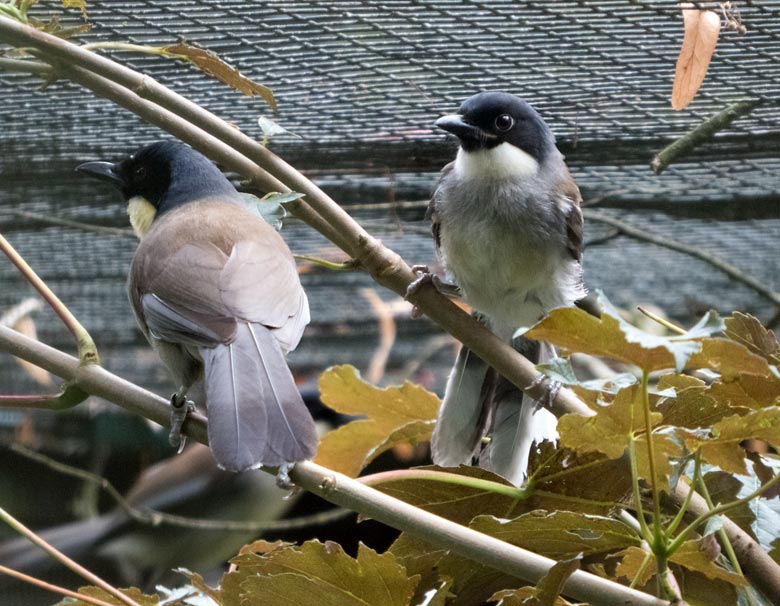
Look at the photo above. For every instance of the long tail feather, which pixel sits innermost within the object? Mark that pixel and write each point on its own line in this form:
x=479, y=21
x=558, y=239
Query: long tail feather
x=459, y=427
x=256, y=413
x=518, y=422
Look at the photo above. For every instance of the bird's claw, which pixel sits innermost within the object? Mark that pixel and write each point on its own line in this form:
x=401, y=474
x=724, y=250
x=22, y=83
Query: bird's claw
x=424, y=276
x=180, y=408
x=551, y=389
x=283, y=479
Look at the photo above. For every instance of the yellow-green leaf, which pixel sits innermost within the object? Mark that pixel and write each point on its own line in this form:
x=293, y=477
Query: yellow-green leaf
x=394, y=415
x=693, y=406
x=293, y=576
x=693, y=557
x=213, y=65
x=747, y=330
x=101, y=594
x=547, y=591
x=79, y=4
x=636, y=565
x=560, y=534
x=722, y=446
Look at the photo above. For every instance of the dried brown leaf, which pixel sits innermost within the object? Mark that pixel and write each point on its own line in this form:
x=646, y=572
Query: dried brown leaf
x=210, y=63
x=701, y=35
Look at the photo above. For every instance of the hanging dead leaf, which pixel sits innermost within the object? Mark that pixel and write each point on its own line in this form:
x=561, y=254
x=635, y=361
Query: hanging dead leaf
x=211, y=64
x=701, y=36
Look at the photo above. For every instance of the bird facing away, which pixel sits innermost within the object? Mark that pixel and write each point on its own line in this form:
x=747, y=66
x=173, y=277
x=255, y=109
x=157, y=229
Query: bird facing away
x=215, y=291
x=507, y=227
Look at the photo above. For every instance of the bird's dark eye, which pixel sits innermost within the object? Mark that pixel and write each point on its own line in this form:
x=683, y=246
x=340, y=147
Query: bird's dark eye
x=140, y=172
x=504, y=122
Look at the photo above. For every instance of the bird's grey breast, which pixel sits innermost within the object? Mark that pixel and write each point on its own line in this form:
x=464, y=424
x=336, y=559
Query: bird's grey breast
x=501, y=242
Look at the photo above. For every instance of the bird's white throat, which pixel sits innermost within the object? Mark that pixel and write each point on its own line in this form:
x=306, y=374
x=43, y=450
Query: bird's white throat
x=141, y=213
x=500, y=162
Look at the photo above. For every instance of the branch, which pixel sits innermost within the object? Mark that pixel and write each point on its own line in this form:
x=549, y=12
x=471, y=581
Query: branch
x=730, y=270
x=335, y=487
x=700, y=134
x=230, y=147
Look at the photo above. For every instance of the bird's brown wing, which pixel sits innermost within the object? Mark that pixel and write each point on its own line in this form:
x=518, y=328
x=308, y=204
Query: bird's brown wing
x=213, y=265
x=432, y=211
x=574, y=243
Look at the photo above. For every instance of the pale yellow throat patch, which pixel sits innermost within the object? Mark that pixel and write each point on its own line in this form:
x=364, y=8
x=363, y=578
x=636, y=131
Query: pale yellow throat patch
x=141, y=213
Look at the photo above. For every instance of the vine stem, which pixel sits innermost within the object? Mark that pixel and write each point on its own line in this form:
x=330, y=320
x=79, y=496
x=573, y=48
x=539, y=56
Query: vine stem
x=63, y=559
x=727, y=546
x=658, y=532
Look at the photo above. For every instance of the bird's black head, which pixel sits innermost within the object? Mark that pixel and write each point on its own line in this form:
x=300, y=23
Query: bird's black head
x=161, y=176
x=488, y=119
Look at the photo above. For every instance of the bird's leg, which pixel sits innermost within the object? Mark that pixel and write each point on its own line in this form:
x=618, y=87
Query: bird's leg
x=180, y=408
x=283, y=479
x=551, y=390
x=424, y=276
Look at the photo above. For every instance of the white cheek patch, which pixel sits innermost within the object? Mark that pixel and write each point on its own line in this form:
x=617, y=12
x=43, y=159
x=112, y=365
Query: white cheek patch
x=141, y=213
x=501, y=162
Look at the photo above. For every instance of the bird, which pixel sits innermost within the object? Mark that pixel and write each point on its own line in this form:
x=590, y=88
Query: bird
x=507, y=228
x=215, y=290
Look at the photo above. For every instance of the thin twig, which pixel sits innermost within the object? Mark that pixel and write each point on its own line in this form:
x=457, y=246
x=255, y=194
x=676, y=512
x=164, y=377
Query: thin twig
x=727, y=268
x=88, y=227
x=86, y=346
x=700, y=134
x=151, y=517
x=53, y=588
x=63, y=559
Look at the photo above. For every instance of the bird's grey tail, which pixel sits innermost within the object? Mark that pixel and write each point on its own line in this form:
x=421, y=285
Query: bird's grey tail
x=461, y=421
x=256, y=413
x=518, y=421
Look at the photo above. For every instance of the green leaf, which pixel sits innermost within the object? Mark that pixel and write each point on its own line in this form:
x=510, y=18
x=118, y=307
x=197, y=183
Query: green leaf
x=292, y=576
x=209, y=63
x=560, y=534
x=395, y=415
x=693, y=406
x=747, y=391
x=269, y=208
x=692, y=556
x=560, y=370
x=559, y=478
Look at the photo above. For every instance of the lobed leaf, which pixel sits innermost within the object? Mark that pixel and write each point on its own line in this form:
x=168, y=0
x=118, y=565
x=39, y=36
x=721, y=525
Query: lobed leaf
x=547, y=591
x=395, y=415
x=559, y=534
x=747, y=330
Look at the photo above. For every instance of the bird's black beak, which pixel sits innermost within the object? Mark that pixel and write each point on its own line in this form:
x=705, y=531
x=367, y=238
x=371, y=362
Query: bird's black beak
x=455, y=124
x=105, y=171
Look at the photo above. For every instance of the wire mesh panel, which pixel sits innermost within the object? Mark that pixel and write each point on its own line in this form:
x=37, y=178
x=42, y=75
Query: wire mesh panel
x=359, y=84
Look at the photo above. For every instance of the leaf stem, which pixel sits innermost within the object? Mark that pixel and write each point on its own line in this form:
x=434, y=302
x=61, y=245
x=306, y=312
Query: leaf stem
x=640, y=514
x=680, y=539
x=724, y=539
x=87, y=352
x=662, y=321
x=446, y=477
x=350, y=265
x=63, y=559
x=684, y=507
x=658, y=533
